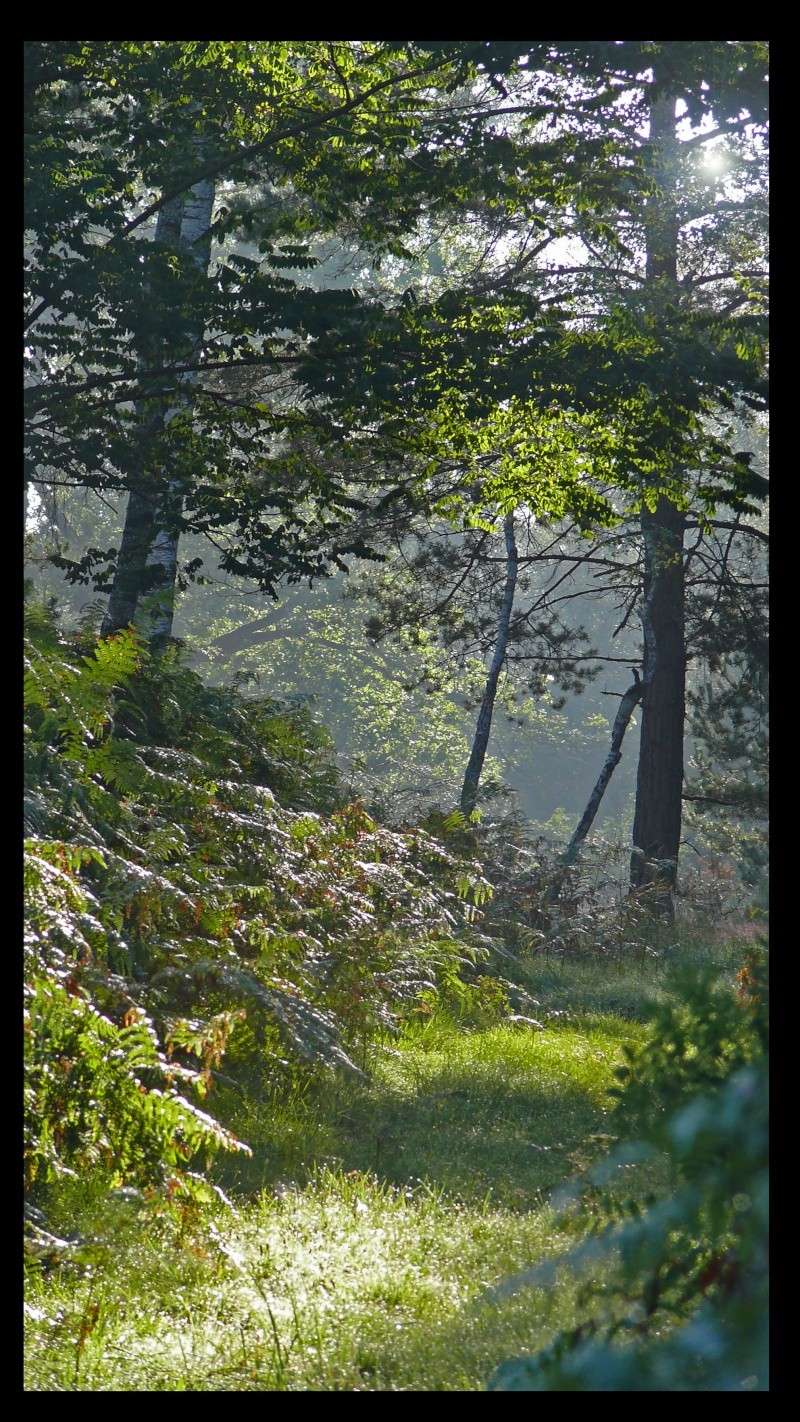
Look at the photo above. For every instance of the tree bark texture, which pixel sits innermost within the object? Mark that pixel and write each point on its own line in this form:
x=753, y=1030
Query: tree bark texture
x=469, y=791
x=659, y=782
x=661, y=213
x=148, y=550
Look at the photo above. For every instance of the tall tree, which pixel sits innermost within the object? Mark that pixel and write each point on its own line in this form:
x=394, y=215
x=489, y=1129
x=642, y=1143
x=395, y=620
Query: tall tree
x=110, y=122
x=165, y=498
x=665, y=294
x=659, y=781
x=659, y=788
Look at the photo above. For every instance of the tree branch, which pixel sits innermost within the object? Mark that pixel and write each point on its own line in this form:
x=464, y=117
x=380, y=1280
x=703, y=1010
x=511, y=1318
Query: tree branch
x=734, y=127
x=233, y=159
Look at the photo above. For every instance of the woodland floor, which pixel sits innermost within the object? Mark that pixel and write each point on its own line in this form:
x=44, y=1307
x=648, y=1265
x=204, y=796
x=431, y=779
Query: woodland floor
x=363, y=1241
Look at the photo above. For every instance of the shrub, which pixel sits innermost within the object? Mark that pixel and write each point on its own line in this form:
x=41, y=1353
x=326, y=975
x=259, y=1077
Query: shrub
x=101, y=1096
x=689, y=1294
x=698, y=1036
x=168, y=892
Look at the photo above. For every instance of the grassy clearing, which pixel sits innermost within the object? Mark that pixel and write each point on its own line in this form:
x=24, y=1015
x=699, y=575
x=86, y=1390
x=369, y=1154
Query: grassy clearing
x=345, y=1285
x=372, y=1220
x=498, y=1113
x=622, y=985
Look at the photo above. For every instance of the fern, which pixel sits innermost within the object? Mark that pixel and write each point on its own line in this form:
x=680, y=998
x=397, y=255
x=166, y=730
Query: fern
x=167, y=880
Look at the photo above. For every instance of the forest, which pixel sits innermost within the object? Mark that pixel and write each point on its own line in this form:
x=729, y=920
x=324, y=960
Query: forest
x=396, y=715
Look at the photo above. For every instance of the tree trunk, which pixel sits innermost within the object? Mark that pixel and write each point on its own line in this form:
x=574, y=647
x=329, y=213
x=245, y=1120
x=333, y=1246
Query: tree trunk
x=149, y=547
x=129, y=577
x=163, y=555
x=469, y=791
x=249, y=634
x=659, y=782
x=629, y=700
x=137, y=534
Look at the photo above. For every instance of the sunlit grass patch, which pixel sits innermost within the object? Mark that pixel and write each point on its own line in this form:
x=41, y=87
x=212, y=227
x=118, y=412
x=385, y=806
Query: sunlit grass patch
x=625, y=985
x=370, y=1272
x=346, y=1284
x=498, y=1111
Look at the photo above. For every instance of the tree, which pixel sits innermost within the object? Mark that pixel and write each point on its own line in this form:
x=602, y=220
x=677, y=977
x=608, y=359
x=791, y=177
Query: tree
x=472, y=775
x=182, y=225
x=482, y=593
x=117, y=385
x=677, y=336
x=628, y=701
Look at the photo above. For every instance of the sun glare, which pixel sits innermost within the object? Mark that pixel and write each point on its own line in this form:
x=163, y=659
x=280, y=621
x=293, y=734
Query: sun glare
x=714, y=161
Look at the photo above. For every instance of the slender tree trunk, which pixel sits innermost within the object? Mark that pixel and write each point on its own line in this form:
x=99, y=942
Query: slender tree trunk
x=659, y=783
x=163, y=555
x=137, y=534
x=629, y=701
x=469, y=791
x=129, y=577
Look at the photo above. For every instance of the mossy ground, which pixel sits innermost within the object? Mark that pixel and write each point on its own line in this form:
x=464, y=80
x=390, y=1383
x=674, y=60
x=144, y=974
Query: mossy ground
x=369, y=1224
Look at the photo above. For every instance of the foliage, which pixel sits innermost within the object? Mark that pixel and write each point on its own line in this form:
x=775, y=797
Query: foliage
x=729, y=721
x=688, y=1306
x=541, y=907
x=114, y=131
x=477, y=1004
x=91, y=1102
x=393, y=759
x=165, y=884
x=364, y=138
x=699, y=1036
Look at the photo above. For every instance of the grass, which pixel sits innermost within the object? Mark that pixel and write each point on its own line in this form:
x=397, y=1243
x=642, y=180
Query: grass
x=369, y=1224
x=345, y=1285
x=499, y=1113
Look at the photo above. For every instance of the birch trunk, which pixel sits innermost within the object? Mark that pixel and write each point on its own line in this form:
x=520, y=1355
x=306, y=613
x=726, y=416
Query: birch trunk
x=469, y=792
x=137, y=534
x=629, y=701
x=195, y=238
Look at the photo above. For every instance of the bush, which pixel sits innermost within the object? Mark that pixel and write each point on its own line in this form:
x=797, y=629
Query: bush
x=689, y=1294
x=702, y=1033
x=169, y=893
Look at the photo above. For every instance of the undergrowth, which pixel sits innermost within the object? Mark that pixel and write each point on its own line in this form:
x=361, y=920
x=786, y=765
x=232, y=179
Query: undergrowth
x=179, y=913
x=363, y=1256
x=315, y=1105
x=372, y=1246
